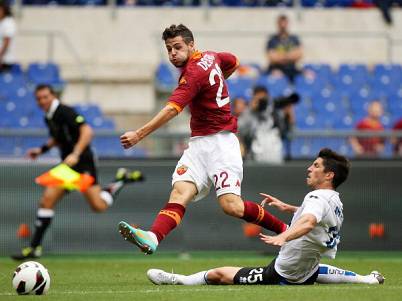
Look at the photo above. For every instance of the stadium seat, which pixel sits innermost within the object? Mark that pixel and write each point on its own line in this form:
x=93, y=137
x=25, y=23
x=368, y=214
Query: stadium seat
x=166, y=77
x=320, y=70
x=305, y=84
x=45, y=73
x=240, y=86
x=277, y=85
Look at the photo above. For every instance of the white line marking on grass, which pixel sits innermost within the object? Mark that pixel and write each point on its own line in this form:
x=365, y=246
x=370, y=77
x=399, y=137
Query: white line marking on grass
x=219, y=289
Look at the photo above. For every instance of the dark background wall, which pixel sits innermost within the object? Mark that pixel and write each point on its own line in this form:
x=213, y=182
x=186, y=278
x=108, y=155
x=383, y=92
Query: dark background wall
x=373, y=194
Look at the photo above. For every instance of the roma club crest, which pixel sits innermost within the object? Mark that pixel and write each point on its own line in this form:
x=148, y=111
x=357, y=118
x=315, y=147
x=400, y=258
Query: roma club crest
x=181, y=170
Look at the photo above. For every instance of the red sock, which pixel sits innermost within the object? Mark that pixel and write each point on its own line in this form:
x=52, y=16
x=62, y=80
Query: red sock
x=254, y=213
x=168, y=219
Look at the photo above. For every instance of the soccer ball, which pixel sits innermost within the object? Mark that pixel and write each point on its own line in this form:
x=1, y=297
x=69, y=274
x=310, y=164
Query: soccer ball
x=31, y=278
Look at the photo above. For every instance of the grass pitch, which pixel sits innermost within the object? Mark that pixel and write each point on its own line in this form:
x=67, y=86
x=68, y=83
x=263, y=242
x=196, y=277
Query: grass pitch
x=122, y=277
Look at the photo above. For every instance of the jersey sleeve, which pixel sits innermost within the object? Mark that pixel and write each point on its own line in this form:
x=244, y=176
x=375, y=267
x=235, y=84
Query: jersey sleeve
x=272, y=43
x=296, y=41
x=315, y=205
x=185, y=92
x=72, y=118
x=9, y=29
x=229, y=62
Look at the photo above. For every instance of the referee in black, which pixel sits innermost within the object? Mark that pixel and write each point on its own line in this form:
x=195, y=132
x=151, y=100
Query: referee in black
x=69, y=132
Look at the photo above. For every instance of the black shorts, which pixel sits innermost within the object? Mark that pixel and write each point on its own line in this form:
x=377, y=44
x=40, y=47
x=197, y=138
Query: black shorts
x=87, y=165
x=266, y=275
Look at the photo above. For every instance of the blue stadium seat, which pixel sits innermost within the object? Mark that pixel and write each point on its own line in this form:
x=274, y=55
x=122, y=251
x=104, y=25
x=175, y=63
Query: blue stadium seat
x=395, y=105
x=45, y=73
x=344, y=122
x=301, y=148
x=110, y=147
x=166, y=77
x=240, y=86
x=391, y=70
x=276, y=85
x=312, y=85
x=310, y=3
x=102, y=123
x=321, y=70
x=311, y=122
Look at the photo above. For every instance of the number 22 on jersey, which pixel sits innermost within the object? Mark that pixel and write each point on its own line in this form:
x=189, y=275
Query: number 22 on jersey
x=217, y=72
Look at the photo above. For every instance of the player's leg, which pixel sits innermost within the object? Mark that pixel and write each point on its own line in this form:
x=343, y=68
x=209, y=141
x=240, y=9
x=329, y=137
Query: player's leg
x=331, y=274
x=168, y=218
x=123, y=176
x=226, y=172
x=44, y=218
x=223, y=275
x=251, y=212
x=98, y=199
x=102, y=198
x=189, y=182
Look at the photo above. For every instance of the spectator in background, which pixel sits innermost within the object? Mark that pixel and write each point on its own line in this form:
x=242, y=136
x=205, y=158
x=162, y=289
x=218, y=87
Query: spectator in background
x=397, y=141
x=284, y=50
x=385, y=7
x=8, y=30
x=369, y=146
x=239, y=105
x=263, y=125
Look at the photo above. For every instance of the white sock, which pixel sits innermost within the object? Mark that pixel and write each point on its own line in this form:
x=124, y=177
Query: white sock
x=194, y=279
x=153, y=237
x=106, y=197
x=331, y=274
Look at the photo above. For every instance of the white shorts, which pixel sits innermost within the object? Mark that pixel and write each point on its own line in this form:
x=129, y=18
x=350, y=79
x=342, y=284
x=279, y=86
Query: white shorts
x=213, y=159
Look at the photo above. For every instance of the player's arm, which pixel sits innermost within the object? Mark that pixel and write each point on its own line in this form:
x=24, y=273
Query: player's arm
x=84, y=139
x=295, y=54
x=278, y=204
x=4, y=48
x=33, y=153
x=229, y=63
x=131, y=138
x=301, y=227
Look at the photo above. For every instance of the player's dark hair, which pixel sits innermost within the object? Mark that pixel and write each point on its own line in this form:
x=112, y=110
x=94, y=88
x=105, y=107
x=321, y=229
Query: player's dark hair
x=6, y=9
x=176, y=31
x=45, y=86
x=335, y=163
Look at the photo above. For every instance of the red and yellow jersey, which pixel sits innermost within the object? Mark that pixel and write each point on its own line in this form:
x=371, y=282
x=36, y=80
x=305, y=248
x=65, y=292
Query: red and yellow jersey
x=370, y=143
x=202, y=86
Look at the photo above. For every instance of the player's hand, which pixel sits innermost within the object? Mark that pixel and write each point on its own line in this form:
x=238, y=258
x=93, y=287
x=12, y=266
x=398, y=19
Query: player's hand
x=129, y=139
x=274, y=202
x=33, y=153
x=278, y=240
x=72, y=159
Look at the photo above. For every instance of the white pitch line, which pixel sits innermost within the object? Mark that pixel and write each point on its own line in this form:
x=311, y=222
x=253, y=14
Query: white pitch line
x=216, y=289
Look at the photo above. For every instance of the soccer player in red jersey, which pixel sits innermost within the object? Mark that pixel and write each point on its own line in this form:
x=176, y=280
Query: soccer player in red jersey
x=213, y=155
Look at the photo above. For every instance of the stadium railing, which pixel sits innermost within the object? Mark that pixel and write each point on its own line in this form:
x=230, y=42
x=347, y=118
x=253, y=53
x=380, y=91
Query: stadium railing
x=164, y=144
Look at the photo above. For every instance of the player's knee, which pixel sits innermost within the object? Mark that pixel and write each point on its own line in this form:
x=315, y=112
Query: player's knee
x=218, y=276
x=232, y=205
x=99, y=207
x=180, y=196
x=46, y=203
x=215, y=276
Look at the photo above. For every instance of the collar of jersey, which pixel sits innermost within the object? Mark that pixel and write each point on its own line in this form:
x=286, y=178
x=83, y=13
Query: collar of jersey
x=53, y=107
x=196, y=55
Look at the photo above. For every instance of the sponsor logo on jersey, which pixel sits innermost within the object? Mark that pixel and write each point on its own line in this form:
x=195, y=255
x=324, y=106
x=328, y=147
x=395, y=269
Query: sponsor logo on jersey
x=182, y=81
x=181, y=170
